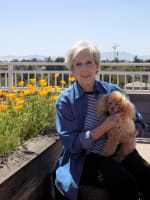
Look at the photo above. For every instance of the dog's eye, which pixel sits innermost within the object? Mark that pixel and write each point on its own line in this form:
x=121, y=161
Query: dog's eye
x=89, y=62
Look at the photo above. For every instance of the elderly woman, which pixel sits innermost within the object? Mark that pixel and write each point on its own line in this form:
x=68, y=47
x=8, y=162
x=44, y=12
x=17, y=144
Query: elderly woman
x=83, y=137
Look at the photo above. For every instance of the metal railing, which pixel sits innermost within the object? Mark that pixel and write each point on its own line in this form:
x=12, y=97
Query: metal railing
x=130, y=81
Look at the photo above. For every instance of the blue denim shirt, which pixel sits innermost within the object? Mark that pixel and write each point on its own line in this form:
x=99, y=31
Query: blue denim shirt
x=71, y=109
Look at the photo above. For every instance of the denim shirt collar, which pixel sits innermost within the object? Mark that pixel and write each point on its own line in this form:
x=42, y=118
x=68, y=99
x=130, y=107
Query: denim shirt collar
x=79, y=91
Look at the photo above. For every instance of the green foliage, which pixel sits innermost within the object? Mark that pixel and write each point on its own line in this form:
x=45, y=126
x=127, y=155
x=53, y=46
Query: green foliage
x=17, y=126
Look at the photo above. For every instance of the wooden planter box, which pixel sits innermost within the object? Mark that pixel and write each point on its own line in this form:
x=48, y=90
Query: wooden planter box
x=28, y=174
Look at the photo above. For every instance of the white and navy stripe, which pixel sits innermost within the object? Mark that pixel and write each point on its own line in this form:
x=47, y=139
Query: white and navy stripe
x=91, y=121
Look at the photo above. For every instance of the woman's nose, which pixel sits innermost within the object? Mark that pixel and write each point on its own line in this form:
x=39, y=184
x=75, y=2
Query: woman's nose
x=84, y=66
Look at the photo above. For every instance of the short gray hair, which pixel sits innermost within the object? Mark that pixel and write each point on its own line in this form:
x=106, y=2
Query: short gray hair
x=77, y=48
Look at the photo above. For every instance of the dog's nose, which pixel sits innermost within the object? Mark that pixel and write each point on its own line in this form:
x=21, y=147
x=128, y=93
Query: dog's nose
x=112, y=108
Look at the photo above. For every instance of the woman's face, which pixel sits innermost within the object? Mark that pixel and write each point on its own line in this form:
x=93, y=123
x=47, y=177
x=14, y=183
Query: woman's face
x=84, y=68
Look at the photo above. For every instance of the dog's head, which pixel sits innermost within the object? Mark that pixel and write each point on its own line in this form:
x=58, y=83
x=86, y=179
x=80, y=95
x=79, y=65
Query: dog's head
x=117, y=102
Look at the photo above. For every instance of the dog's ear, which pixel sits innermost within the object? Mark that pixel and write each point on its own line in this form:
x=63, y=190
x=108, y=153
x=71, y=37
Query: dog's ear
x=102, y=104
x=130, y=110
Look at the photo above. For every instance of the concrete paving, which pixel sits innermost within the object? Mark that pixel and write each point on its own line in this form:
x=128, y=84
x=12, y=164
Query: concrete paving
x=143, y=147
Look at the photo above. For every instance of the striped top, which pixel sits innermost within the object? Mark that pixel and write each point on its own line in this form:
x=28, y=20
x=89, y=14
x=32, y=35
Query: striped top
x=91, y=121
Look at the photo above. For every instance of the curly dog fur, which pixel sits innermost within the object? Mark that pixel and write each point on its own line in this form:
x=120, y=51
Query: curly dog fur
x=107, y=105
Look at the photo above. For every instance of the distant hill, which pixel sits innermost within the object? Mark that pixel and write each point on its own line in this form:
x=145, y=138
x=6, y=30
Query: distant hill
x=104, y=56
x=19, y=58
x=121, y=56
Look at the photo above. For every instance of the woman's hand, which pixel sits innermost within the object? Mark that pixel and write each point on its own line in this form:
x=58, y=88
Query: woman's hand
x=114, y=120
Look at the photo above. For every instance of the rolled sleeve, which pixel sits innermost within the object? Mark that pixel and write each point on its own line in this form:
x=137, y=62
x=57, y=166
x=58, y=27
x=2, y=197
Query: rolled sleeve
x=86, y=140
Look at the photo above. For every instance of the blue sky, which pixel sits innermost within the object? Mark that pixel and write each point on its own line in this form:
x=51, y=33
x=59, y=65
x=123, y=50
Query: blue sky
x=50, y=27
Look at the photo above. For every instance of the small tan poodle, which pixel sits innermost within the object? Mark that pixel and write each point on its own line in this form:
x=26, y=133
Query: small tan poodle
x=107, y=105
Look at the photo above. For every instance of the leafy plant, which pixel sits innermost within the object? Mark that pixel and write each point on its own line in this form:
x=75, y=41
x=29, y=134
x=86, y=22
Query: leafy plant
x=26, y=114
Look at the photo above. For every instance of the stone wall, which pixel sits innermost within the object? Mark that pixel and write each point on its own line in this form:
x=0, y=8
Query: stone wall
x=34, y=180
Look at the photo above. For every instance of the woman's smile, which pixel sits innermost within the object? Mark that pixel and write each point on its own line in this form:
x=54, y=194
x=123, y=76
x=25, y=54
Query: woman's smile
x=85, y=76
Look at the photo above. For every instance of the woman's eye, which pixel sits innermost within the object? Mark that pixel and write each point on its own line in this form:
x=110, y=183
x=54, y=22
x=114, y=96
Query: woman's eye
x=78, y=64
